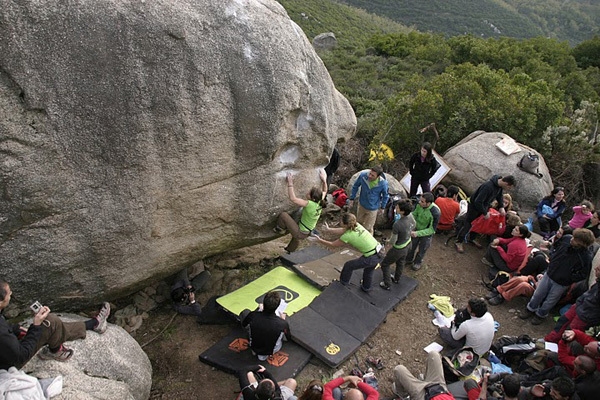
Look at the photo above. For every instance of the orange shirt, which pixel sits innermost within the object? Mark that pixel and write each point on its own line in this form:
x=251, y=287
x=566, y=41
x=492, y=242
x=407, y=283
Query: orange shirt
x=449, y=209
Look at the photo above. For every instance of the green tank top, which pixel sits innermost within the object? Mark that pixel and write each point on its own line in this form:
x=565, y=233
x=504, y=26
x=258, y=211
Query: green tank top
x=310, y=216
x=361, y=239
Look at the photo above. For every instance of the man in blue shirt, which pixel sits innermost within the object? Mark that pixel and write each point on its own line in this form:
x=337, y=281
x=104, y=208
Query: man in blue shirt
x=373, y=196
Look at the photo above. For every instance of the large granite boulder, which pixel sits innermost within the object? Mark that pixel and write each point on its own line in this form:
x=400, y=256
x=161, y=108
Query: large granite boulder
x=325, y=41
x=476, y=158
x=138, y=137
x=108, y=366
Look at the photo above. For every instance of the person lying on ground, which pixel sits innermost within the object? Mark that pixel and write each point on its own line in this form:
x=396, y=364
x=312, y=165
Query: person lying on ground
x=312, y=206
x=583, y=314
x=507, y=254
x=266, y=330
x=521, y=285
x=266, y=386
x=183, y=292
x=477, y=331
x=353, y=233
x=357, y=390
x=47, y=333
x=431, y=387
x=570, y=262
x=400, y=243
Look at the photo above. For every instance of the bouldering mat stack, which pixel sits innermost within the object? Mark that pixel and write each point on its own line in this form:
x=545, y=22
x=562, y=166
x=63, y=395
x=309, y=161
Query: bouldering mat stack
x=231, y=354
x=335, y=324
x=293, y=289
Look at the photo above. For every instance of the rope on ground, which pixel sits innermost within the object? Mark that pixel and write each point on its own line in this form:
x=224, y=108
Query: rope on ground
x=160, y=333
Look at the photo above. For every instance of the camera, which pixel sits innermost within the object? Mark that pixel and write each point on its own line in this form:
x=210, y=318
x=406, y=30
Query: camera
x=36, y=307
x=188, y=290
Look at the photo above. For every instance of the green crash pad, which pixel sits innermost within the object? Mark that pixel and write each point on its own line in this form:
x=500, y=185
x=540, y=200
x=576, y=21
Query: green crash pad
x=293, y=289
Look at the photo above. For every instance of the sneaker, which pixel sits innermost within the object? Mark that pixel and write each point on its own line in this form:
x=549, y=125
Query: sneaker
x=477, y=243
x=416, y=266
x=102, y=317
x=494, y=301
x=278, y=230
x=63, y=354
x=384, y=286
x=459, y=247
x=525, y=313
x=493, y=293
x=487, y=262
x=537, y=320
x=394, y=279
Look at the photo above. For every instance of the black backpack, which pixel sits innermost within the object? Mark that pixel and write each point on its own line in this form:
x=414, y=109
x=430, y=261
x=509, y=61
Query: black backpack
x=530, y=163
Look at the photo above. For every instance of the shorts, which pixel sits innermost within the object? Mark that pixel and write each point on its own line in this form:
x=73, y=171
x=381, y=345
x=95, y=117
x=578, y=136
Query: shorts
x=287, y=393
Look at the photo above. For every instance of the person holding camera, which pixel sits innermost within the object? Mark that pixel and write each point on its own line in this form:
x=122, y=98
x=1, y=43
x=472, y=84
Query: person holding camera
x=472, y=327
x=47, y=332
x=183, y=292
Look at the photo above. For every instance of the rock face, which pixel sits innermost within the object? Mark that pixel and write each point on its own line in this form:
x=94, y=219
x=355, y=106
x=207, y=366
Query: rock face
x=138, y=137
x=325, y=41
x=108, y=366
x=476, y=158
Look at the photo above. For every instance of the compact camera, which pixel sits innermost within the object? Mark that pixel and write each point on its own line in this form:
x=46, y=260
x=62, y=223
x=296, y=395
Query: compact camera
x=36, y=307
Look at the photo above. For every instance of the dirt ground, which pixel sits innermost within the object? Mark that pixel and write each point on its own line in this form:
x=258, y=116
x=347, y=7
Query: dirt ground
x=177, y=372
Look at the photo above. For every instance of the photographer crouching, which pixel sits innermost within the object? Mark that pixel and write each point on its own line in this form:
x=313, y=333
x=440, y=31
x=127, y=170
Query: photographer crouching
x=183, y=292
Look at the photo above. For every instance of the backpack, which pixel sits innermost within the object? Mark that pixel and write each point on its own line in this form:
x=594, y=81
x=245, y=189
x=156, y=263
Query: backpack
x=530, y=163
x=339, y=197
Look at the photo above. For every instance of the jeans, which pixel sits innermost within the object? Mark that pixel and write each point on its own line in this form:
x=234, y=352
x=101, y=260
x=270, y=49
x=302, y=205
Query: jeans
x=546, y=295
x=423, y=244
x=366, y=263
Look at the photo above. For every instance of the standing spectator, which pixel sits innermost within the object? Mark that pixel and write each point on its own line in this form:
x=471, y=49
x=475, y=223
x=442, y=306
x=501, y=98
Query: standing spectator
x=355, y=235
x=311, y=211
x=400, y=244
x=581, y=214
x=449, y=209
x=476, y=332
x=373, y=196
x=422, y=166
x=480, y=204
x=549, y=211
x=570, y=262
x=427, y=216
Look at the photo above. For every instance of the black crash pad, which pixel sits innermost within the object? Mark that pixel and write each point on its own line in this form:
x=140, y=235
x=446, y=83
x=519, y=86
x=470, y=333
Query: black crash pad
x=231, y=353
x=304, y=255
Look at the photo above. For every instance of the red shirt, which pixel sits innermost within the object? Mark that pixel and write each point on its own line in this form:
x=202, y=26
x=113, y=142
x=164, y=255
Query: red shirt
x=516, y=251
x=371, y=393
x=449, y=209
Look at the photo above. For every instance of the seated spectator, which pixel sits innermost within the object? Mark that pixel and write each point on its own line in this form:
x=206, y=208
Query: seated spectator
x=570, y=262
x=449, y=209
x=267, y=387
x=594, y=224
x=511, y=387
x=549, y=211
x=507, y=254
x=561, y=388
x=47, y=331
x=432, y=386
x=586, y=377
x=566, y=356
x=183, y=292
x=521, y=285
x=477, y=331
x=313, y=391
x=583, y=314
x=265, y=328
x=581, y=214
x=359, y=391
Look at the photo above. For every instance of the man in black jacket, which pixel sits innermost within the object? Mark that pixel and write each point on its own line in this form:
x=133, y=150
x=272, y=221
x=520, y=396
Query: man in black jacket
x=19, y=345
x=570, y=262
x=480, y=203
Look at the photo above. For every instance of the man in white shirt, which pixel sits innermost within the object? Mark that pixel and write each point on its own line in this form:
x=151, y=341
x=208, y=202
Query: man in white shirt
x=476, y=332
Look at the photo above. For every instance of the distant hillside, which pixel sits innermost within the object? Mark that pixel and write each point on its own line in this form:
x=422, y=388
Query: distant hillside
x=350, y=25
x=571, y=20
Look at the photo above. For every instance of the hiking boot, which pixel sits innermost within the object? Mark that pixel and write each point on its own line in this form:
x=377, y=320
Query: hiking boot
x=493, y=293
x=459, y=247
x=416, y=266
x=102, y=317
x=537, y=320
x=525, y=313
x=63, y=354
x=494, y=301
x=384, y=286
x=487, y=262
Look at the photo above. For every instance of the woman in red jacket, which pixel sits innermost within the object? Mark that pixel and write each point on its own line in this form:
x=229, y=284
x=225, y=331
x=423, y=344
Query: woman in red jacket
x=508, y=254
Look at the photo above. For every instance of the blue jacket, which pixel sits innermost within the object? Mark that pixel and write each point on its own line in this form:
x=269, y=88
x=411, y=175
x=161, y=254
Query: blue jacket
x=560, y=208
x=371, y=199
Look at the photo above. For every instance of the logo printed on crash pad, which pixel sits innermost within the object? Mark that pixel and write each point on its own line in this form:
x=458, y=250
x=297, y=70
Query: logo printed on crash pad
x=285, y=294
x=238, y=345
x=278, y=359
x=332, y=348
